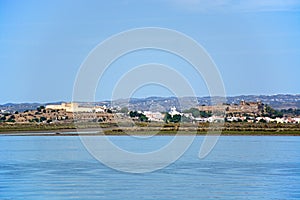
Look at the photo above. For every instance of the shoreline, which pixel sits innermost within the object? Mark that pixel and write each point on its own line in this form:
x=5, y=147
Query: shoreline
x=147, y=129
x=94, y=132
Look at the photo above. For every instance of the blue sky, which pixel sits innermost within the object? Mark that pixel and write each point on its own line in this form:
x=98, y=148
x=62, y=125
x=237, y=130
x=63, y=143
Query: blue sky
x=255, y=44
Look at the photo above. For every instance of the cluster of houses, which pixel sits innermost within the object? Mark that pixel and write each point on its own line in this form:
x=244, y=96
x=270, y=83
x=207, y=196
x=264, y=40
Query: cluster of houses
x=294, y=120
x=158, y=117
x=244, y=112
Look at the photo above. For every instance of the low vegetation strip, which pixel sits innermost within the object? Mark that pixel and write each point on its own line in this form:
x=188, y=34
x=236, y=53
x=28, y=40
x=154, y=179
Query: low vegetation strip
x=157, y=129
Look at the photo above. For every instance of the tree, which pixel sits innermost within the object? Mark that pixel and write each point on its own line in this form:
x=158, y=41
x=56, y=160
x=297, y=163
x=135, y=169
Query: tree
x=40, y=108
x=205, y=114
x=176, y=118
x=291, y=112
x=133, y=114
x=108, y=111
x=143, y=118
x=194, y=111
x=167, y=118
x=271, y=112
x=140, y=116
x=11, y=118
x=185, y=119
x=197, y=113
x=34, y=120
x=2, y=119
x=43, y=119
x=124, y=110
x=262, y=121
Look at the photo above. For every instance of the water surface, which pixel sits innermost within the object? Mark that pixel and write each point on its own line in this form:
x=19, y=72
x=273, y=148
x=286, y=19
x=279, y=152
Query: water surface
x=239, y=167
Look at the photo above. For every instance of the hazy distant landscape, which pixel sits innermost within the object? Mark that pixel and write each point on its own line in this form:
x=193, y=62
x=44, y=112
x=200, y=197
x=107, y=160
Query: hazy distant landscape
x=241, y=115
x=280, y=101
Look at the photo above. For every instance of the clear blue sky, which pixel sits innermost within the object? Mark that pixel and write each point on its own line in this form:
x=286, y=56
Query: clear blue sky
x=255, y=44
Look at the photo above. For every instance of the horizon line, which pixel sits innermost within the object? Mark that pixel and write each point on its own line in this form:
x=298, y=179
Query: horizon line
x=228, y=96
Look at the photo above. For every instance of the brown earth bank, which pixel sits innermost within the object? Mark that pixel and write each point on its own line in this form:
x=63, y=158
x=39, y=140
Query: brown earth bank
x=241, y=128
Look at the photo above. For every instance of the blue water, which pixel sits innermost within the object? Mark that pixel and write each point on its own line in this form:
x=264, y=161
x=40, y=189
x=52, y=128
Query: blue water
x=239, y=167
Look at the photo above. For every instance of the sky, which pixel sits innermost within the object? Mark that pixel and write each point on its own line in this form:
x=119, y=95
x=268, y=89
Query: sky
x=255, y=44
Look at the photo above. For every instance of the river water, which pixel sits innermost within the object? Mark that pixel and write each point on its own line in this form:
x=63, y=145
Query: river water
x=239, y=167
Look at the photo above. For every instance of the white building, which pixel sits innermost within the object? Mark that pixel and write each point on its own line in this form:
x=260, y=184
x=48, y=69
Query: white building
x=74, y=107
x=100, y=109
x=297, y=120
x=174, y=111
x=215, y=119
x=68, y=107
x=154, y=116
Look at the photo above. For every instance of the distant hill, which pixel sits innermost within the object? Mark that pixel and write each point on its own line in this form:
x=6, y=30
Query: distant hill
x=280, y=101
x=21, y=107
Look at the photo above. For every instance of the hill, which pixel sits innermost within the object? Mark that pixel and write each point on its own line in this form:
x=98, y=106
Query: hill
x=279, y=101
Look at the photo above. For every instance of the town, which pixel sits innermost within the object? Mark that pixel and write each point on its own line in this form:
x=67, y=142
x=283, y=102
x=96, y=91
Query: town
x=250, y=112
